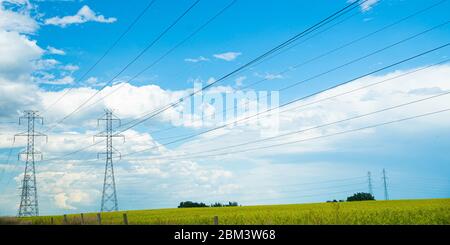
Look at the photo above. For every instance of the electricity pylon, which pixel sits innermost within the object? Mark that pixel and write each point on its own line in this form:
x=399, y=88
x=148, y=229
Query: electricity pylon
x=28, y=197
x=369, y=179
x=386, y=195
x=109, y=196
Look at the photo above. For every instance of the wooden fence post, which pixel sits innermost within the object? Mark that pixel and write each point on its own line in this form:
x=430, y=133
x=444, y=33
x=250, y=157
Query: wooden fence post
x=65, y=219
x=51, y=221
x=216, y=220
x=99, y=218
x=82, y=218
x=125, y=218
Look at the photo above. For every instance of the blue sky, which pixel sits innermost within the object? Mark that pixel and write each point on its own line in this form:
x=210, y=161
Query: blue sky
x=47, y=46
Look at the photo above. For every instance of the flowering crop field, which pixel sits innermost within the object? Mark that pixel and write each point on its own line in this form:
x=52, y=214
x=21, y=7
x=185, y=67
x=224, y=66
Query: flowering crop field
x=426, y=211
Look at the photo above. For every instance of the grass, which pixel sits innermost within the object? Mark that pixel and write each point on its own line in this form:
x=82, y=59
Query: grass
x=13, y=221
x=401, y=212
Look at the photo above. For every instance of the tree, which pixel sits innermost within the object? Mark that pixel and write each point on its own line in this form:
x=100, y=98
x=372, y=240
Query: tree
x=189, y=204
x=361, y=196
x=233, y=204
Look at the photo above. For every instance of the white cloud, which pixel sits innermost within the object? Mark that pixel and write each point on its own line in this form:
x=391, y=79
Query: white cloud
x=210, y=80
x=93, y=81
x=17, y=54
x=367, y=5
x=21, y=66
x=46, y=64
x=422, y=84
x=66, y=80
x=17, y=21
x=228, y=56
x=269, y=76
x=195, y=60
x=53, y=50
x=61, y=201
x=70, y=67
x=20, y=57
x=85, y=14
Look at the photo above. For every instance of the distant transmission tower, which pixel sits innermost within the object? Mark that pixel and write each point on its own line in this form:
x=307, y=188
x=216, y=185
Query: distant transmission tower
x=369, y=179
x=386, y=196
x=28, y=197
x=109, y=196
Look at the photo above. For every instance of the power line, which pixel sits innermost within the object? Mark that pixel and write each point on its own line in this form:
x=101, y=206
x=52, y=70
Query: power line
x=86, y=147
x=353, y=41
x=327, y=53
x=422, y=177
x=8, y=158
x=314, y=138
x=128, y=64
x=331, y=17
x=168, y=52
x=330, y=135
x=333, y=69
x=298, y=43
x=270, y=57
x=336, y=95
x=367, y=55
x=324, y=125
x=332, y=181
x=299, y=99
x=413, y=101
x=303, y=98
x=335, y=15
x=104, y=54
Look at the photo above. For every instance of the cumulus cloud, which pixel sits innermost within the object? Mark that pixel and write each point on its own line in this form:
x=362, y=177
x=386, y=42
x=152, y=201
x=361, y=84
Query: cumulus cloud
x=59, y=81
x=15, y=96
x=18, y=58
x=53, y=50
x=70, y=67
x=45, y=64
x=304, y=115
x=21, y=59
x=17, y=53
x=367, y=5
x=17, y=21
x=196, y=60
x=228, y=56
x=269, y=76
x=85, y=14
x=61, y=201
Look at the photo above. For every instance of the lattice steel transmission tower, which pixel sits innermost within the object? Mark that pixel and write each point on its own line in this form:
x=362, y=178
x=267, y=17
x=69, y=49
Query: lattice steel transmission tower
x=28, y=197
x=109, y=196
x=369, y=180
x=386, y=195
